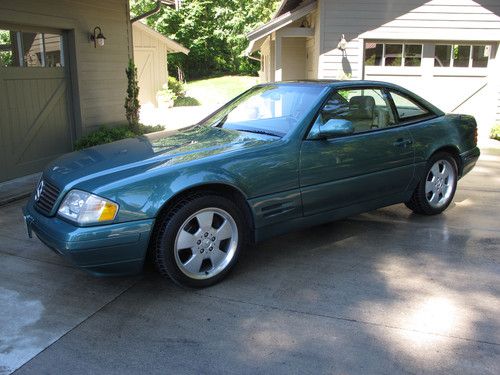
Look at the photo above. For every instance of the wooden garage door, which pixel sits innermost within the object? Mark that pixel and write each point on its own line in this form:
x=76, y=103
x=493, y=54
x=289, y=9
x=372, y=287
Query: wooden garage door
x=145, y=60
x=35, y=125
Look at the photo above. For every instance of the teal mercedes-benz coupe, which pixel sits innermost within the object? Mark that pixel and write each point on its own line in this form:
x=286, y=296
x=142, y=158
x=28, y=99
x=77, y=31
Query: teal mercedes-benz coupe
x=279, y=157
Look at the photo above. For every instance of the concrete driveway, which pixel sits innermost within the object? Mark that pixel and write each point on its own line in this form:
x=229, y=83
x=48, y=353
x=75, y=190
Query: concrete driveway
x=383, y=292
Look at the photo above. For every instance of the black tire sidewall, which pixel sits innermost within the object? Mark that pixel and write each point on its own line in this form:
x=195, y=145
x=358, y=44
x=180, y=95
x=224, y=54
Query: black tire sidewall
x=165, y=252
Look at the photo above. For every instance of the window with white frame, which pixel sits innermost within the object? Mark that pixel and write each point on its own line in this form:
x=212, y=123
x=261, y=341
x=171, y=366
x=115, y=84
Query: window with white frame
x=461, y=56
x=393, y=54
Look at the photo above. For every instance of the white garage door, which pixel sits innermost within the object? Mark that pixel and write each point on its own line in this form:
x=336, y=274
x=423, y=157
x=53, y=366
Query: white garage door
x=145, y=59
x=452, y=75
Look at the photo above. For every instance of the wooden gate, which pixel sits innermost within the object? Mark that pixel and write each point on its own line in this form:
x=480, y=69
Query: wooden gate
x=35, y=121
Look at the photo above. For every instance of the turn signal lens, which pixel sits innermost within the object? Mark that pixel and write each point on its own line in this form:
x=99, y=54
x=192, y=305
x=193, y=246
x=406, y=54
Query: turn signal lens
x=108, y=212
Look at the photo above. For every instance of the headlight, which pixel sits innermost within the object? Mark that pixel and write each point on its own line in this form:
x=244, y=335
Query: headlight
x=85, y=208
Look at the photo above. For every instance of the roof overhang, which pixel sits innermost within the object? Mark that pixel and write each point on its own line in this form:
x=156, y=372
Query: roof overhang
x=172, y=45
x=257, y=36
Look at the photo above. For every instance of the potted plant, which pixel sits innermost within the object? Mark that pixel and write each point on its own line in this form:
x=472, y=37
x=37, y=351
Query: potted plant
x=165, y=98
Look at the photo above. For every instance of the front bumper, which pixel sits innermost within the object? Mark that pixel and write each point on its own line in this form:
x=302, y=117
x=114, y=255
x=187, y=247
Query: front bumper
x=114, y=249
x=468, y=160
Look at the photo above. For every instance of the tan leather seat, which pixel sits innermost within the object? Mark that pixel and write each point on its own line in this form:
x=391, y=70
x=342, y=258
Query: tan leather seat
x=361, y=112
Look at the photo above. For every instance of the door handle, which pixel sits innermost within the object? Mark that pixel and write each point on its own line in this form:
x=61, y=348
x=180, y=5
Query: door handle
x=403, y=142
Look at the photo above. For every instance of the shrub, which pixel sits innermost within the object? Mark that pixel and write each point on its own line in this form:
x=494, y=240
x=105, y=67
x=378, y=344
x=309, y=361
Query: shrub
x=495, y=132
x=110, y=134
x=186, y=102
x=132, y=105
x=176, y=86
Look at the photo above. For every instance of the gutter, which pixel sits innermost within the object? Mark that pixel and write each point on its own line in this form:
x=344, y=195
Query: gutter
x=155, y=10
x=251, y=57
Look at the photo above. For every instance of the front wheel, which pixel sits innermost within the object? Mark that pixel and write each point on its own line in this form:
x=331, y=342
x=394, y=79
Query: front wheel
x=199, y=240
x=436, y=190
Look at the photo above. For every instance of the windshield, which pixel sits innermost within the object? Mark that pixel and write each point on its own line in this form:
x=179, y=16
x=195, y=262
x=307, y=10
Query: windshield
x=272, y=109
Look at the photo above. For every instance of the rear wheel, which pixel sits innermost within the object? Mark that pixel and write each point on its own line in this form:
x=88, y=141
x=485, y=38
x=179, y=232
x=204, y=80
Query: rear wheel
x=436, y=190
x=199, y=240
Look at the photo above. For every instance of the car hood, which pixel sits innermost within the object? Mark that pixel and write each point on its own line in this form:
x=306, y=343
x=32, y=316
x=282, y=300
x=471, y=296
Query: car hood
x=137, y=155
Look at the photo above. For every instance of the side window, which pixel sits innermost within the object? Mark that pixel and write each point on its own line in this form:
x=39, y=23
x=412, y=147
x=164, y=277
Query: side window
x=367, y=109
x=407, y=109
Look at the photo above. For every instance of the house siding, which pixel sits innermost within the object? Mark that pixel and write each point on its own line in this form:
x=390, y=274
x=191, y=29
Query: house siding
x=293, y=58
x=312, y=46
x=267, y=61
x=495, y=80
x=98, y=77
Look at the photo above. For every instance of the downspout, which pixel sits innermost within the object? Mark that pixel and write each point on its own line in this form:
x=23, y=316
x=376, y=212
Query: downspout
x=155, y=10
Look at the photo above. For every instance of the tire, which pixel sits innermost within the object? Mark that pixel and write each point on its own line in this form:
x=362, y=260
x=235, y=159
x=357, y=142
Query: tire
x=436, y=189
x=198, y=241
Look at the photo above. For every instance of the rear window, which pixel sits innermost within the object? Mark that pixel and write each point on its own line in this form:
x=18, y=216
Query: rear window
x=408, y=109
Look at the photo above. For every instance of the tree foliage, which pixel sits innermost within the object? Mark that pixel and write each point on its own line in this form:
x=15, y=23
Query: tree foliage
x=214, y=31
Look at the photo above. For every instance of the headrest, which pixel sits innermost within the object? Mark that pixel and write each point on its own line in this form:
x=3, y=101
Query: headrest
x=361, y=107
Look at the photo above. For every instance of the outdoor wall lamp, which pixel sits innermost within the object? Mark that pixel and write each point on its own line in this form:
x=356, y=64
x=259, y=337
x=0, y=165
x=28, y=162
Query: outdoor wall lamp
x=97, y=37
x=342, y=44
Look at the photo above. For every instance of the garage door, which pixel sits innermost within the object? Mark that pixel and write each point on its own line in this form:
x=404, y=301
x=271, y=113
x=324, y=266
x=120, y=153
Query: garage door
x=35, y=125
x=145, y=60
x=452, y=75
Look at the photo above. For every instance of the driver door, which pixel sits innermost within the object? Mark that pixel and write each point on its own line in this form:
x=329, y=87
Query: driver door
x=374, y=162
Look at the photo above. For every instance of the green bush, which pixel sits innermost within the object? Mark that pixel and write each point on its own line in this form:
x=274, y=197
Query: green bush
x=176, y=86
x=110, y=134
x=132, y=105
x=495, y=132
x=186, y=102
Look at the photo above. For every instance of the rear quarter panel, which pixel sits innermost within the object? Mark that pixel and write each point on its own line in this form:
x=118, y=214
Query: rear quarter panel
x=450, y=131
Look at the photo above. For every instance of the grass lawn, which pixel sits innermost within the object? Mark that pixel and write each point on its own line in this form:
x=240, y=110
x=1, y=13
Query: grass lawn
x=217, y=91
x=495, y=132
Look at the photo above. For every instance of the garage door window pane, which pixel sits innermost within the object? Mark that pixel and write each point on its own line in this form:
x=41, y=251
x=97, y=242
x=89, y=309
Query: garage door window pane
x=7, y=48
x=442, y=55
x=461, y=56
x=393, y=54
x=413, y=54
x=32, y=48
x=480, y=56
x=373, y=54
x=53, y=50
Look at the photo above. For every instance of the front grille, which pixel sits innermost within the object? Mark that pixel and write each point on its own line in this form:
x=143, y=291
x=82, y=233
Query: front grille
x=45, y=197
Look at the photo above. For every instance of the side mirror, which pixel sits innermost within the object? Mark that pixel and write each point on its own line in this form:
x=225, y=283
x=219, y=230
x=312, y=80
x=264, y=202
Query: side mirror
x=335, y=128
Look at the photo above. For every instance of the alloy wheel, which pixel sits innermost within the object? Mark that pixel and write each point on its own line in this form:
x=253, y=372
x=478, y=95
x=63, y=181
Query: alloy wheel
x=439, y=183
x=206, y=243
